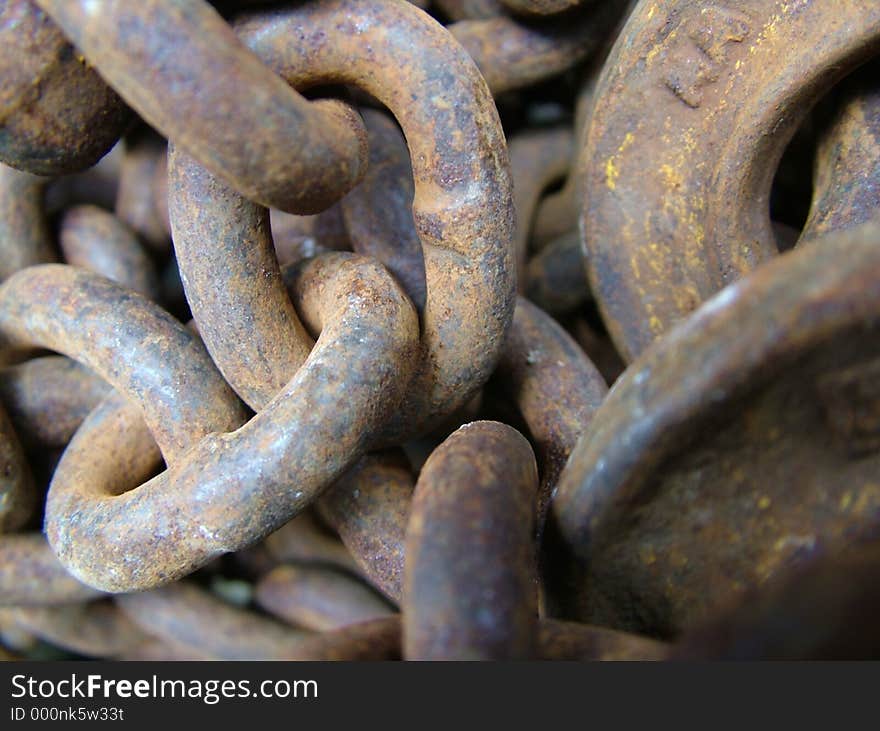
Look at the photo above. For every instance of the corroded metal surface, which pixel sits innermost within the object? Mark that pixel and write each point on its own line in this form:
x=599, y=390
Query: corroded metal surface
x=94, y=239
x=537, y=159
x=556, y=278
x=93, y=629
x=847, y=165
x=378, y=212
x=241, y=479
x=742, y=444
x=190, y=617
x=18, y=494
x=469, y=579
x=369, y=507
x=130, y=342
x=824, y=611
x=327, y=455
x=48, y=398
x=139, y=196
x=553, y=384
x=25, y=238
x=235, y=287
x=318, y=598
x=693, y=111
x=512, y=54
x=187, y=615
x=303, y=540
x=462, y=207
x=56, y=113
x=33, y=576
x=239, y=115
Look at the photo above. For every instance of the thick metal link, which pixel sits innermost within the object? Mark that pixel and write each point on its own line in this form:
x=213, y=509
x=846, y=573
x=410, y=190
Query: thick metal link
x=761, y=411
x=130, y=342
x=848, y=160
x=511, y=54
x=323, y=459
x=94, y=629
x=33, y=576
x=537, y=159
x=94, y=239
x=140, y=195
x=462, y=209
x=303, y=540
x=556, y=389
x=229, y=96
x=56, y=113
x=369, y=508
x=470, y=552
x=251, y=481
x=554, y=385
x=695, y=108
x=318, y=598
x=48, y=398
x=378, y=212
x=25, y=239
x=191, y=618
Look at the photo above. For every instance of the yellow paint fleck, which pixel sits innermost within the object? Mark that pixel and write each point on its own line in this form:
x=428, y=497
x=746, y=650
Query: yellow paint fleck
x=673, y=176
x=634, y=265
x=611, y=173
x=764, y=502
x=661, y=46
x=627, y=141
x=845, y=500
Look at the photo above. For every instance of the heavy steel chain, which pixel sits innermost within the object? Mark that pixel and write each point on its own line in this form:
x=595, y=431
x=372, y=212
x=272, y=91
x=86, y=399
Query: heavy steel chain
x=473, y=329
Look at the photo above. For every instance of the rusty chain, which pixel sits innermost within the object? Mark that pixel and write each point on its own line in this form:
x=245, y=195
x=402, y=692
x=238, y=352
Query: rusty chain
x=464, y=329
